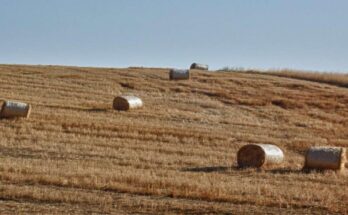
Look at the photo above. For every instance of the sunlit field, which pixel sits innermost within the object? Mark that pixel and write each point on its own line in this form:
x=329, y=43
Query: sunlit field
x=336, y=79
x=177, y=154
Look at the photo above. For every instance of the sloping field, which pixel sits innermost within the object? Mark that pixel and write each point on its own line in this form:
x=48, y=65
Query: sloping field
x=177, y=154
x=340, y=80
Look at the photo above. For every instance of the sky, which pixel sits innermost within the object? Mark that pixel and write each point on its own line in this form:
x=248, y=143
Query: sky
x=259, y=34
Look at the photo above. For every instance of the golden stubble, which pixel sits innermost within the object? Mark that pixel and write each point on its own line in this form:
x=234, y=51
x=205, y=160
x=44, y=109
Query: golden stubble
x=177, y=154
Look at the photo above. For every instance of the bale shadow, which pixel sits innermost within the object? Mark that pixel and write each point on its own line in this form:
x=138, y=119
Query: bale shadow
x=302, y=171
x=323, y=171
x=207, y=169
x=10, y=118
x=285, y=171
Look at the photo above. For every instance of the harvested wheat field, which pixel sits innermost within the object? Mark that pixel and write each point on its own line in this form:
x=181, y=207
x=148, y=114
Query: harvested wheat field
x=177, y=154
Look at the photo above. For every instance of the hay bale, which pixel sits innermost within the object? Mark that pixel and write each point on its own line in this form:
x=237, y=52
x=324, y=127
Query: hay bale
x=259, y=155
x=179, y=74
x=127, y=102
x=12, y=109
x=199, y=66
x=325, y=158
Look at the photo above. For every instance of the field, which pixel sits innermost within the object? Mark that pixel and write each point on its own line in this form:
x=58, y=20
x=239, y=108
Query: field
x=77, y=155
x=340, y=80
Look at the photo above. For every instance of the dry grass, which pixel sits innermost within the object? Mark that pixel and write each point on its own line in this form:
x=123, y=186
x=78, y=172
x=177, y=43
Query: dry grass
x=336, y=79
x=75, y=154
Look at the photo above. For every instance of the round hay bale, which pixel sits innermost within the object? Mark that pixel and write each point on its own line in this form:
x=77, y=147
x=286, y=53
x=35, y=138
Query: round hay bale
x=259, y=155
x=125, y=103
x=325, y=158
x=199, y=66
x=12, y=109
x=179, y=74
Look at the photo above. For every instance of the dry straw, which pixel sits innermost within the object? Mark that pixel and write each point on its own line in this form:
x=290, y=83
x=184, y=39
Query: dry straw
x=125, y=103
x=199, y=66
x=12, y=109
x=259, y=155
x=179, y=74
x=325, y=158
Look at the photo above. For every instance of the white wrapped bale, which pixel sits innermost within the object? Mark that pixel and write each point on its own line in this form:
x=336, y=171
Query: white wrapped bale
x=199, y=66
x=12, y=109
x=179, y=74
x=127, y=102
x=259, y=155
x=325, y=158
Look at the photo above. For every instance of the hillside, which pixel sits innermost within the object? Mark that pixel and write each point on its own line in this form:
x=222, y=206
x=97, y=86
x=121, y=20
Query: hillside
x=75, y=154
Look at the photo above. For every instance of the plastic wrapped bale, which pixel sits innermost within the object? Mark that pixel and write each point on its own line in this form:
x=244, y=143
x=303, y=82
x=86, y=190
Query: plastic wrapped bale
x=12, y=109
x=325, y=158
x=179, y=74
x=125, y=103
x=259, y=155
x=199, y=66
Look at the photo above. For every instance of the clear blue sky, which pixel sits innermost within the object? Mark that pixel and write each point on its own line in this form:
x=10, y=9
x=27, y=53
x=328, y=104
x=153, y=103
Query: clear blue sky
x=301, y=34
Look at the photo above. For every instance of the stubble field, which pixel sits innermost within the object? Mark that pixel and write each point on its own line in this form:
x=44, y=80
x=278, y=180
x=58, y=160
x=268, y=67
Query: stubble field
x=77, y=155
